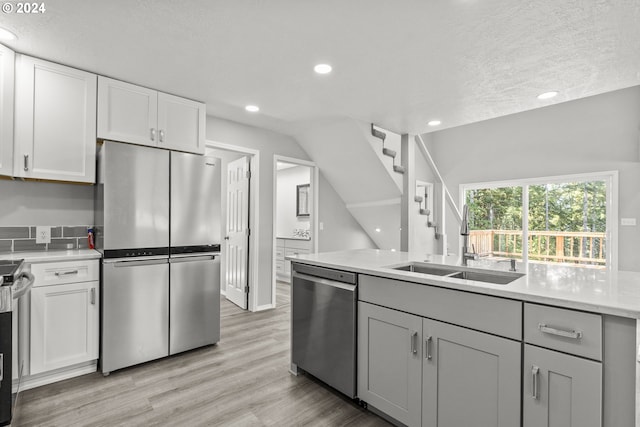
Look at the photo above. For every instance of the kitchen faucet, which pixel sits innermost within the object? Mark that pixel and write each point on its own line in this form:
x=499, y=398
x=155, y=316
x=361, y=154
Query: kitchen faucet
x=464, y=232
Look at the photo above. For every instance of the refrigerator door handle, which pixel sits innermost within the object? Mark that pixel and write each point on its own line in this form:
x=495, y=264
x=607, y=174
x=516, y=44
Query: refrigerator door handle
x=191, y=259
x=120, y=264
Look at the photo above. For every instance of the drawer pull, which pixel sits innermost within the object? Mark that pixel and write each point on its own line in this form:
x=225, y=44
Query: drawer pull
x=93, y=296
x=559, y=332
x=66, y=273
x=534, y=382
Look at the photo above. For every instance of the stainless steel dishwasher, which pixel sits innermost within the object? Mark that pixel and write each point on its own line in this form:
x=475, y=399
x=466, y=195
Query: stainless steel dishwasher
x=323, y=325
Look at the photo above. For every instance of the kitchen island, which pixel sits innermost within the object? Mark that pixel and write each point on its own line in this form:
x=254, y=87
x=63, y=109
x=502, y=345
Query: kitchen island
x=557, y=345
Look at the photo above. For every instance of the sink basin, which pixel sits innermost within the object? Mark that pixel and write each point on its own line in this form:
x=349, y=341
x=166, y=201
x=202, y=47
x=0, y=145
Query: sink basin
x=497, y=278
x=457, y=272
x=420, y=267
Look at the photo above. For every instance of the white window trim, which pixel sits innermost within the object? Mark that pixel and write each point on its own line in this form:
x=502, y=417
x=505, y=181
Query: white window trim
x=611, y=180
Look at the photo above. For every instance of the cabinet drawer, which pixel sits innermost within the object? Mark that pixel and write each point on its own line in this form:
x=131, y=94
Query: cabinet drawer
x=279, y=253
x=295, y=251
x=569, y=331
x=279, y=266
x=55, y=273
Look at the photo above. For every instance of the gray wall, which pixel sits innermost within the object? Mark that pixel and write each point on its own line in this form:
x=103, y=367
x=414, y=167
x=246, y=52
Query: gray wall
x=594, y=134
x=45, y=203
x=340, y=229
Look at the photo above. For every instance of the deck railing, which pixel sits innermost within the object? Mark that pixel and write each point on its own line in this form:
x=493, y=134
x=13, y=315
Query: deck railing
x=552, y=246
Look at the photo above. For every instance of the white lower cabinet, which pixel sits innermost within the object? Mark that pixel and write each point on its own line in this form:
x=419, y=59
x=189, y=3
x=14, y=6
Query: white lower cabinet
x=64, y=325
x=389, y=362
x=469, y=378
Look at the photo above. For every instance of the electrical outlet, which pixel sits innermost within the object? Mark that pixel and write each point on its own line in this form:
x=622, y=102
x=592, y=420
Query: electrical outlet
x=43, y=234
x=321, y=225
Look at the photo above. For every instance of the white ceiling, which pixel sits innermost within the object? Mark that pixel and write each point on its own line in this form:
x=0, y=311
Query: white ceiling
x=397, y=63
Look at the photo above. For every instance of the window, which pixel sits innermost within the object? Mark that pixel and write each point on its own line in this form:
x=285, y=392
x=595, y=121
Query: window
x=564, y=220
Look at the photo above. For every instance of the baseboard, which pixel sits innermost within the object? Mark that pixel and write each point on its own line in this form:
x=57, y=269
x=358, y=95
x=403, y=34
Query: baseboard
x=33, y=381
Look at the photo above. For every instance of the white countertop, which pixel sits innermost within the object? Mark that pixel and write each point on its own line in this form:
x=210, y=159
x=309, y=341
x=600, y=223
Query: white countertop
x=49, y=256
x=590, y=289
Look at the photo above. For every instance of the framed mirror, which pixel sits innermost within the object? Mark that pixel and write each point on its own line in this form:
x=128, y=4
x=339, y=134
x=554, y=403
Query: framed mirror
x=302, y=200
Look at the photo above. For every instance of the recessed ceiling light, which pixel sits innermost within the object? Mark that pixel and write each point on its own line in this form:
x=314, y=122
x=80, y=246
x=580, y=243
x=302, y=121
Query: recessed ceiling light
x=434, y=123
x=252, y=108
x=7, y=35
x=547, y=95
x=322, y=68
x=377, y=230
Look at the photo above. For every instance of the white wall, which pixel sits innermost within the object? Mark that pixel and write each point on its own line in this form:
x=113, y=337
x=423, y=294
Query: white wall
x=287, y=181
x=340, y=229
x=598, y=133
x=44, y=203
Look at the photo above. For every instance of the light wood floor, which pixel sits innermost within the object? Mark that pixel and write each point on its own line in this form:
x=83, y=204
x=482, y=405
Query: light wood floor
x=241, y=381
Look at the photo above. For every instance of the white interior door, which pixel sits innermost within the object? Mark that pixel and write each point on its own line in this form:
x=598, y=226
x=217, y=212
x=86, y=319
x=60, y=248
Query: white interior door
x=237, y=232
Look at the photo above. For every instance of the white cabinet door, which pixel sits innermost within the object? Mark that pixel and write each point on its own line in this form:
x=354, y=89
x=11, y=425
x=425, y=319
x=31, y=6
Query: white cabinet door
x=389, y=362
x=181, y=124
x=55, y=122
x=64, y=325
x=469, y=378
x=7, y=60
x=127, y=112
x=560, y=389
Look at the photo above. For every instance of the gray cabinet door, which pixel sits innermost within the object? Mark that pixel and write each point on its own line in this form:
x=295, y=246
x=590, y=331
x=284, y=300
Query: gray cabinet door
x=469, y=378
x=560, y=390
x=389, y=361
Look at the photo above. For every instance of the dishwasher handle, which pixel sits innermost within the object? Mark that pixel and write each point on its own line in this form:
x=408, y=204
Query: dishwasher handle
x=320, y=281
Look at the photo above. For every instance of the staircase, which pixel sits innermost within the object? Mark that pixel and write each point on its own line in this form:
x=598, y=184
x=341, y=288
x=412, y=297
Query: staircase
x=362, y=163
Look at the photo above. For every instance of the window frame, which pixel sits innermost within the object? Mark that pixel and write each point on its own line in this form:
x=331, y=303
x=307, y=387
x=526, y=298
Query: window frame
x=611, y=182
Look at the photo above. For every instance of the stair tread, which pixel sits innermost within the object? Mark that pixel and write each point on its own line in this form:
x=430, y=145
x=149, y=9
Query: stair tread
x=399, y=169
x=389, y=152
x=418, y=199
x=425, y=212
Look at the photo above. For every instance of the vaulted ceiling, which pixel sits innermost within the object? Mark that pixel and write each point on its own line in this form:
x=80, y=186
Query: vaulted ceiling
x=397, y=63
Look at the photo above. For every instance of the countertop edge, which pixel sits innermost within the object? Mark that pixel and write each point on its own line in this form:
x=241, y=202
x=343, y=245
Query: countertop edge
x=475, y=287
x=51, y=256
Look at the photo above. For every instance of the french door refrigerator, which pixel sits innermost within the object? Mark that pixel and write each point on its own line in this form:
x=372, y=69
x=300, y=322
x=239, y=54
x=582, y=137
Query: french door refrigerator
x=157, y=298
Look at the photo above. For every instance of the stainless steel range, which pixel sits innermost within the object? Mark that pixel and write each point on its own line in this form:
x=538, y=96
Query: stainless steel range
x=14, y=283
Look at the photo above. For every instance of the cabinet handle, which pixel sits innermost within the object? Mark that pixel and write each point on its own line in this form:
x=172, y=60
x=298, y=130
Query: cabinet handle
x=1, y=366
x=153, y=134
x=427, y=347
x=26, y=162
x=93, y=296
x=161, y=135
x=414, y=346
x=534, y=381
x=576, y=335
x=66, y=273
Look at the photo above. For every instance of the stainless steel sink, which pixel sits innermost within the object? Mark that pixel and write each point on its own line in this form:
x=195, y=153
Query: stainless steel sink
x=495, y=277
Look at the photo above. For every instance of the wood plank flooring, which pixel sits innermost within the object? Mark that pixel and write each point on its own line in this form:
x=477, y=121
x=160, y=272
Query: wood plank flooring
x=241, y=381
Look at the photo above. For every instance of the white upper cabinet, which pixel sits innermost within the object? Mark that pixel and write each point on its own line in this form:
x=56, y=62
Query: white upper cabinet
x=127, y=112
x=55, y=121
x=138, y=115
x=180, y=123
x=7, y=60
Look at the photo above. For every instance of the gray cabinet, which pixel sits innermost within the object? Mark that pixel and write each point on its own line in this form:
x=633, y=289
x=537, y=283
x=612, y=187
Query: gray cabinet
x=560, y=389
x=469, y=378
x=389, y=362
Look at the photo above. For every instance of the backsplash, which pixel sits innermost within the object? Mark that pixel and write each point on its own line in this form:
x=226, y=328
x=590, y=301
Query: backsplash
x=22, y=239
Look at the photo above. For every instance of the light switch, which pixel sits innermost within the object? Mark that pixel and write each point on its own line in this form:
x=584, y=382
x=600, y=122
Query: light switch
x=627, y=221
x=321, y=225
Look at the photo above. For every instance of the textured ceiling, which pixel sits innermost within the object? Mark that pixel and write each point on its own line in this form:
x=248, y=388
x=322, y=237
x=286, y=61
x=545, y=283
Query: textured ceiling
x=397, y=63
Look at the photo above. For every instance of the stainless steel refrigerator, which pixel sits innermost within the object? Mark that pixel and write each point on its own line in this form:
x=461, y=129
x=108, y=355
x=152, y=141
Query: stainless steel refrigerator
x=160, y=278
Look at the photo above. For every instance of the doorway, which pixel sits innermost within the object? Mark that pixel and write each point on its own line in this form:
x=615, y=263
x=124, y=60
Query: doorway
x=295, y=213
x=239, y=207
